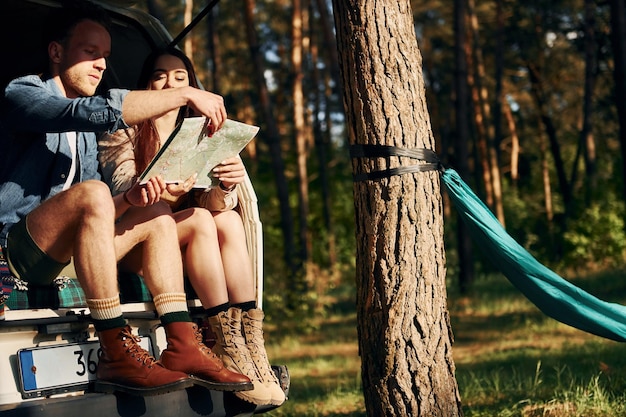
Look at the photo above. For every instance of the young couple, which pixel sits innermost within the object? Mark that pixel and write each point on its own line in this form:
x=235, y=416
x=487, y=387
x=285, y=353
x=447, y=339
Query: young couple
x=49, y=166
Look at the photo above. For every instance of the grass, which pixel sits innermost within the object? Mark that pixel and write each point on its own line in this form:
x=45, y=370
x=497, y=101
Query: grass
x=511, y=359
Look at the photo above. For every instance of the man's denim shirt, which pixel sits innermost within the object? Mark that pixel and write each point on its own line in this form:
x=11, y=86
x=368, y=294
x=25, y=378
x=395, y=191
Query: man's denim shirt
x=35, y=157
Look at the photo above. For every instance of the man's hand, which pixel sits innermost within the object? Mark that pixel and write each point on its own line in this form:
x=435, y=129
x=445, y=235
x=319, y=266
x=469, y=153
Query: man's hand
x=230, y=172
x=140, y=105
x=210, y=105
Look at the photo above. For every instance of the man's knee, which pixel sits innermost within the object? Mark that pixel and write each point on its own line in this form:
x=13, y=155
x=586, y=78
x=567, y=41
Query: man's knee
x=162, y=224
x=93, y=197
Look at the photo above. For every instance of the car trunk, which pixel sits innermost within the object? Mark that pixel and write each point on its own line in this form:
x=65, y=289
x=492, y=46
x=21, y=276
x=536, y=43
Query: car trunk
x=56, y=319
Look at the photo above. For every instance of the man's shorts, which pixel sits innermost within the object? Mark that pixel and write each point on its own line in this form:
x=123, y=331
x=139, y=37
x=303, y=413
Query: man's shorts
x=26, y=260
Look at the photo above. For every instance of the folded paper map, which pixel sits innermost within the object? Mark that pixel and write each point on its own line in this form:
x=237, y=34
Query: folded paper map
x=190, y=150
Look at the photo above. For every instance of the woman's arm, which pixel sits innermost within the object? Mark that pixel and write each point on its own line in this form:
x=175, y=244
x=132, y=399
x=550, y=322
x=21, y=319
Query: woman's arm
x=116, y=154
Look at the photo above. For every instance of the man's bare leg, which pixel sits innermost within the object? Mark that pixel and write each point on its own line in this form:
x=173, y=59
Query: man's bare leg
x=79, y=222
x=148, y=236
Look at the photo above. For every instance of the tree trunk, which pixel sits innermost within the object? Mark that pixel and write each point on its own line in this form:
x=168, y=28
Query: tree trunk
x=272, y=137
x=329, y=41
x=545, y=177
x=213, y=49
x=321, y=144
x=187, y=18
x=618, y=41
x=485, y=119
x=515, y=147
x=403, y=323
x=299, y=128
x=482, y=148
x=464, y=242
x=538, y=94
x=586, y=133
x=498, y=73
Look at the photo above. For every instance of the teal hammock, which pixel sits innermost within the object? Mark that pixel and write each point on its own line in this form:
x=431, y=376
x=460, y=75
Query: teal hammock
x=553, y=295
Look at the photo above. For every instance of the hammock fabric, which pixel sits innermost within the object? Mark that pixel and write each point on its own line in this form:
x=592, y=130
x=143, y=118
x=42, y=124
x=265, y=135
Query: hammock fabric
x=552, y=294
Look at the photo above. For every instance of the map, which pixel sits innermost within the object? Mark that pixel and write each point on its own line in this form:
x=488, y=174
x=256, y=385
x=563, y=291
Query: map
x=190, y=150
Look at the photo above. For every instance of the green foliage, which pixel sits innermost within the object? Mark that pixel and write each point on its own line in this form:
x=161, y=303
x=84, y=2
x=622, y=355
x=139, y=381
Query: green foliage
x=598, y=237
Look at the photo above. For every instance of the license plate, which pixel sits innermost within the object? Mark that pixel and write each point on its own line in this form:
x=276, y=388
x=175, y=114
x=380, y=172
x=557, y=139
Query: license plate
x=57, y=369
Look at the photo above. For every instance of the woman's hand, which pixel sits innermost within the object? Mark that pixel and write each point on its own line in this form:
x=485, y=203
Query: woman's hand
x=178, y=189
x=147, y=194
x=230, y=172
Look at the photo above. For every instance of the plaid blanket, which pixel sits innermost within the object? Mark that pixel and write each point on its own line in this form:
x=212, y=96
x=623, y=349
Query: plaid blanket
x=65, y=292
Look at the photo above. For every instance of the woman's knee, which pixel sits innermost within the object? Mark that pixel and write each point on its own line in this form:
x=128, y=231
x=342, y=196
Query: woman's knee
x=228, y=217
x=195, y=222
x=229, y=221
x=199, y=217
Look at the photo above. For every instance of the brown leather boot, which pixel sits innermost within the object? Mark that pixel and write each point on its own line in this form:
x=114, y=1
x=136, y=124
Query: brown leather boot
x=186, y=353
x=126, y=367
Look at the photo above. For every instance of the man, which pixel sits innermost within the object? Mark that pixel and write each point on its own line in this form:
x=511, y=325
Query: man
x=53, y=206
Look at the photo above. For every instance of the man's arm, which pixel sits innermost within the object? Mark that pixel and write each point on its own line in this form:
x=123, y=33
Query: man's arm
x=142, y=105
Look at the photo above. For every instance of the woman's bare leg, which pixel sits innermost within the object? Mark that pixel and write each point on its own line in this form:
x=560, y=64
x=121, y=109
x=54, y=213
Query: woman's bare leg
x=201, y=253
x=235, y=257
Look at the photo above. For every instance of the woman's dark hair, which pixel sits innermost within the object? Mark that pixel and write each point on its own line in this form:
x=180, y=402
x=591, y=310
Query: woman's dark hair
x=148, y=66
x=146, y=134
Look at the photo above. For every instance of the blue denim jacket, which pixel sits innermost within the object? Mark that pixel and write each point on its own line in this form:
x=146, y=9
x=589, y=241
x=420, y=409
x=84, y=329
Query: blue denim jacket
x=35, y=156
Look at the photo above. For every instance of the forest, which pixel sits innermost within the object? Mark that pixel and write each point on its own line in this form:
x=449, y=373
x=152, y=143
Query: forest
x=526, y=101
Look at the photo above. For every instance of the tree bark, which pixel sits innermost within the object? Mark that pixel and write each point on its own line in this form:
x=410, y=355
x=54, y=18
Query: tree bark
x=403, y=323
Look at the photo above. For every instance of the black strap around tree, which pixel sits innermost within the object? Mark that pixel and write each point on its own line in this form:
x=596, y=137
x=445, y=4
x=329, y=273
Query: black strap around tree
x=429, y=157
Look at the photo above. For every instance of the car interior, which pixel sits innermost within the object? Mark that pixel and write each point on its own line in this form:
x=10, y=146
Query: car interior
x=134, y=35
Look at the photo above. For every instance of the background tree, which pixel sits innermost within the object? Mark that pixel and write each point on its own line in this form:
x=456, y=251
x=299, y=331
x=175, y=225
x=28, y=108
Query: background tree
x=461, y=148
x=254, y=74
x=404, y=334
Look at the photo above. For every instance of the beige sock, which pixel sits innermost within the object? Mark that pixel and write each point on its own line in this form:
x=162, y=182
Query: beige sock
x=105, y=308
x=170, y=302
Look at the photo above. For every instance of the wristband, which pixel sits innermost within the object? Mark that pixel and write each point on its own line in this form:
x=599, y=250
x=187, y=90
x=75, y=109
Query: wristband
x=232, y=187
x=126, y=199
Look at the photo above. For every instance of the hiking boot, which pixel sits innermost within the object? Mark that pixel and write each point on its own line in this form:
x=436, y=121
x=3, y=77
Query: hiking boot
x=252, y=321
x=186, y=353
x=125, y=366
x=231, y=348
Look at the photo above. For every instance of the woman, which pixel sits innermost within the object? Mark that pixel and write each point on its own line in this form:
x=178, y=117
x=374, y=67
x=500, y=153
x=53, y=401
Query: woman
x=211, y=233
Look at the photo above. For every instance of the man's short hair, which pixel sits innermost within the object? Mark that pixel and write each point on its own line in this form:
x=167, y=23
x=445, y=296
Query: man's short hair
x=64, y=20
